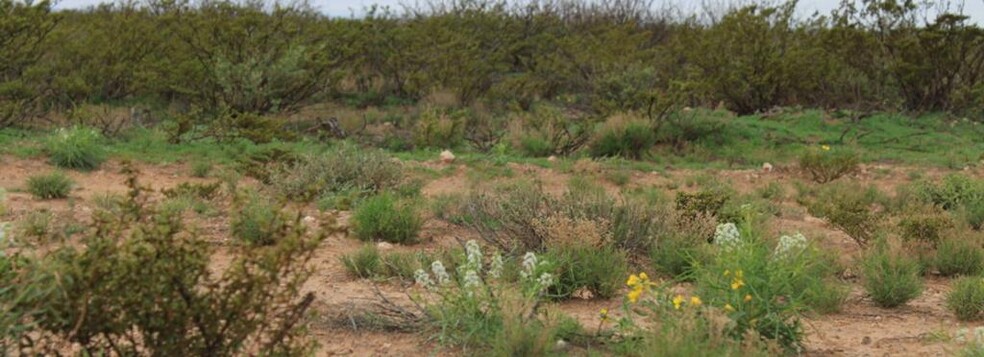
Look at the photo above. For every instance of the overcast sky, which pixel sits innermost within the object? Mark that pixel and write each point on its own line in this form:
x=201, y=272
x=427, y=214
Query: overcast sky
x=345, y=8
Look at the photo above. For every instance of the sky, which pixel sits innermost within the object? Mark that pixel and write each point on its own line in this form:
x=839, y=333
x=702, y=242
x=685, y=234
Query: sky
x=346, y=8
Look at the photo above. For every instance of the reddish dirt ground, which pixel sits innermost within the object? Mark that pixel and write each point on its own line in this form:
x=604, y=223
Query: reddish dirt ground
x=923, y=327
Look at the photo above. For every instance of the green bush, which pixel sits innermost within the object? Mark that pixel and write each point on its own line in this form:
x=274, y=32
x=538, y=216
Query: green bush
x=826, y=164
x=131, y=267
x=959, y=256
x=345, y=168
x=201, y=169
x=628, y=138
x=974, y=214
x=50, y=186
x=384, y=218
x=953, y=192
x=928, y=227
x=677, y=254
x=704, y=202
x=891, y=278
x=257, y=221
x=439, y=128
x=36, y=225
x=596, y=270
x=966, y=298
x=364, y=263
x=76, y=148
x=849, y=207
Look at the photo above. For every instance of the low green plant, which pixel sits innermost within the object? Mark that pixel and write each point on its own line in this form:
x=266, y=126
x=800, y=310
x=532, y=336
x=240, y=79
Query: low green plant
x=257, y=220
x=966, y=298
x=959, y=255
x=676, y=255
x=974, y=214
x=345, y=168
x=624, y=137
x=53, y=185
x=36, y=225
x=580, y=268
x=951, y=193
x=3, y=201
x=130, y=267
x=891, y=276
x=704, y=202
x=849, y=207
x=363, y=263
x=76, y=148
x=201, y=169
x=927, y=227
x=201, y=191
x=825, y=164
x=403, y=265
x=385, y=218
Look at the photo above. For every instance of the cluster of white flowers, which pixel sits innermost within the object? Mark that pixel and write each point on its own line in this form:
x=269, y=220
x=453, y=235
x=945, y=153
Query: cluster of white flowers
x=471, y=279
x=545, y=280
x=790, y=245
x=495, y=270
x=440, y=273
x=727, y=235
x=975, y=336
x=474, y=255
x=529, y=265
x=423, y=279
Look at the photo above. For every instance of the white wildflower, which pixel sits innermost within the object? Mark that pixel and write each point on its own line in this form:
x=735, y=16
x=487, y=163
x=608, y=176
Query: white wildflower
x=471, y=279
x=727, y=235
x=790, y=245
x=423, y=279
x=440, y=273
x=546, y=279
x=495, y=271
x=529, y=265
x=474, y=255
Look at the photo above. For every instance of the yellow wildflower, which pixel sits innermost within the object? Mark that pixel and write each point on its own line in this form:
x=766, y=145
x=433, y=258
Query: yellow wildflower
x=695, y=301
x=738, y=280
x=635, y=294
x=644, y=277
x=727, y=272
x=604, y=315
x=677, y=300
x=748, y=297
x=633, y=280
x=729, y=308
x=825, y=147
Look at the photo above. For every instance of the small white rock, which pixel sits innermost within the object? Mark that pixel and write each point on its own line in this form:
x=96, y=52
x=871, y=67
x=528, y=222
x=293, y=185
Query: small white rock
x=561, y=345
x=552, y=158
x=447, y=157
x=767, y=167
x=309, y=221
x=384, y=246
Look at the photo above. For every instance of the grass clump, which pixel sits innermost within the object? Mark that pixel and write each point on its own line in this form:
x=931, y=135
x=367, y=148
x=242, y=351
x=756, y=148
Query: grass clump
x=77, y=148
x=959, y=255
x=345, y=168
x=257, y=221
x=587, y=269
x=201, y=169
x=966, y=298
x=386, y=218
x=891, y=277
x=625, y=137
x=850, y=207
x=825, y=164
x=54, y=185
x=363, y=263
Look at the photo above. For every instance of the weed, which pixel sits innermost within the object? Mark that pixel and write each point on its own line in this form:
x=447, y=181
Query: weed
x=194, y=190
x=966, y=298
x=257, y=221
x=927, y=227
x=54, y=185
x=201, y=169
x=76, y=148
x=598, y=271
x=891, y=277
x=826, y=164
x=625, y=137
x=959, y=255
x=385, y=218
x=363, y=263
x=345, y=168
x=37, y=225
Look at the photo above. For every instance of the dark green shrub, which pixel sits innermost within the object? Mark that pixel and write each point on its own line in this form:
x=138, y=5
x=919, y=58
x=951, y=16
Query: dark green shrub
x=257, y=221
x=50, y=186
x=676, y=255
x=966, y=298
x=202, y=191
x=76, y=148
x=974, y=214
x=440, y=129
x=201, y=169
x=535, y=147
x=384, y=218
x=629, y=138
x=891, y=277
x=826, y=164
x=953, y=192
x=849, y=207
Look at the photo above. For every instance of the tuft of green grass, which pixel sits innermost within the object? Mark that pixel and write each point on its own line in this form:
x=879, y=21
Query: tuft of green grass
x=257, y=221
x=385, y=218
x=959, y=256
x=966, y=299
x=363, y=263
x=891, y=278
x=54, y=185
x=77, y=148
x=201, y=169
